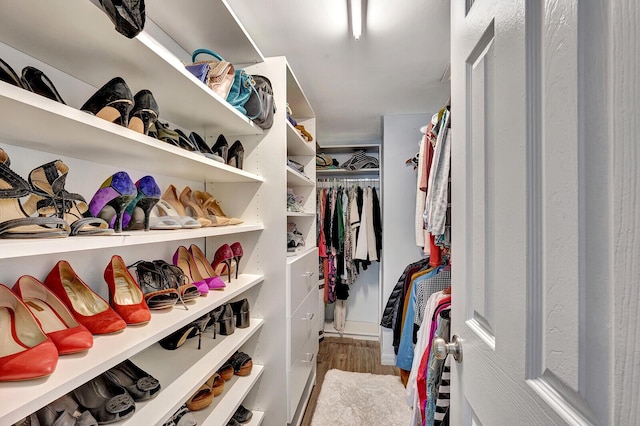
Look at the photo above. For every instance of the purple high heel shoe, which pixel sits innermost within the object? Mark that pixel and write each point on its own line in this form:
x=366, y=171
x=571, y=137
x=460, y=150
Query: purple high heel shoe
x=110, y=201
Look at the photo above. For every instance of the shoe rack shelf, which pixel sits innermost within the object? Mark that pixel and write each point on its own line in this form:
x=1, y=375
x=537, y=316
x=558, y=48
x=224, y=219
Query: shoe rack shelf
x=87, y=47
x=347, y=173
x=35, y=247
x=64, y=130
x=194, y=368
x=295, y=178
x=300, y=214
x=226, y=404
x=20, y=398
x=210, y=24
x=296, y=144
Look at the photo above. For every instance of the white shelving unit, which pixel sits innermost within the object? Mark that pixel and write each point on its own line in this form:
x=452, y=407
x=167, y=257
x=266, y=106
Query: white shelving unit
x=80, y=55
x=363, y=306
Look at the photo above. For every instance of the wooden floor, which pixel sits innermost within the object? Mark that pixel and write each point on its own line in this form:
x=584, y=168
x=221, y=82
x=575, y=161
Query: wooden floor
x=359, y=356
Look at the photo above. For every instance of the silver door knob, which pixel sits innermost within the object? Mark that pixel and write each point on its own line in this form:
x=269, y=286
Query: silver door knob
x=441, y=348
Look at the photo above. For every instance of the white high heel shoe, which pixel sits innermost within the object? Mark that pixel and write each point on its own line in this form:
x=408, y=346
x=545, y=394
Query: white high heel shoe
x=163, y=216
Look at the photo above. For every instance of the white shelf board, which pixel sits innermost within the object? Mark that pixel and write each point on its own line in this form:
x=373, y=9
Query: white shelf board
x=92, y=51
x=256, y=419
x=295, y=178
x=63, y=130
x=366, y=330
x=210, y=24
x=297, y=100
x=34, y=247
x=22, y=398
x=347, y=173
x=300, y=214
x=302, y=252
x=224, y=405
x=348, y=149
x=184, y=370
x=296, y=145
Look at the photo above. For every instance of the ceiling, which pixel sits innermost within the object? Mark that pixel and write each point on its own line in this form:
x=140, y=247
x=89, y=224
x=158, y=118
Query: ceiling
x=396, y=67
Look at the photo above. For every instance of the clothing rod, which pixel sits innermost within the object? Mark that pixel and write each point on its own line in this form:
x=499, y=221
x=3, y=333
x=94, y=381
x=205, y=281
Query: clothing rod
x=349, y=180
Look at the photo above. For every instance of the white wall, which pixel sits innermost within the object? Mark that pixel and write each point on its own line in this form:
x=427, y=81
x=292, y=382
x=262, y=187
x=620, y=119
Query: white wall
x=401, y=135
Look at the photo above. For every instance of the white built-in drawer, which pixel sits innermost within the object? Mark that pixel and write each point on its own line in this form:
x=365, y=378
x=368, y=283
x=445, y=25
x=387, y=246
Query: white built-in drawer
x=303, y=277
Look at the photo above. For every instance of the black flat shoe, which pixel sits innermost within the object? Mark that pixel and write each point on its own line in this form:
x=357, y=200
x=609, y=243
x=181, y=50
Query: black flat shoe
x=8, y=75
x=106, y=401
x=112, y=102
x=145, y=112
x=140, y=385
x=36, y=81
x=128, y=16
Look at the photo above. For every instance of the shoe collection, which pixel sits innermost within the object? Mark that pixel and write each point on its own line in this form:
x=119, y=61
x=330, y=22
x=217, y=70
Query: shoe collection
x=42, y=208
x=108, y=398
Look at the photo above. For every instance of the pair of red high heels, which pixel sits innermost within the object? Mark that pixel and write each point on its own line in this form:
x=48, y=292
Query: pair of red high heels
x=39, y=321
x=227, y=259
x=197, y=269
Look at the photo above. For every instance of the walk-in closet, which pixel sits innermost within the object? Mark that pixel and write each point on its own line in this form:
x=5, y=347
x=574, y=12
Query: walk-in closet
x=312, y=213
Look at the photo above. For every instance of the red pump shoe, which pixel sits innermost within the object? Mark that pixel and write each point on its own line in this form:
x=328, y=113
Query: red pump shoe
x=125, y=296
x=222, y=261
x=54, y=317
x=25, y=351
x=87, y=307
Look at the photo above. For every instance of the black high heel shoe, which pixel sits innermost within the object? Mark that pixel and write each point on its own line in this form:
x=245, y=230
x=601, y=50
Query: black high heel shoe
x=227, y=324
x=241, y=313
x=128, y=16
x=8, y=75
x=199, y=142
x=179, y=337
x=145, y=111
x=112, y=102
x=138, y=211
x=221, y=147
x=36, y=81
x=235, y=155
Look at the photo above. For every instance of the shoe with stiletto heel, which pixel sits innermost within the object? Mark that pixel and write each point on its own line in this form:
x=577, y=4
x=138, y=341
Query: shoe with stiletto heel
x=112, y=102
x=170, y=195
x=204, y=267
x=52, y=199
x=222, y=261
x=221, y=148
x=138, y=212
x=37, y=82
x=211, y=206
x=113, y=197
x=235, y=156
x=145, y=112
x=236, y=248
x=187, y=199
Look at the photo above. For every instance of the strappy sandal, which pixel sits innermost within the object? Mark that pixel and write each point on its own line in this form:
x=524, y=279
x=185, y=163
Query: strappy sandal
x=163, y=216
x=242, y=364
x=155, y=287
x=212, y=206
x=52, y=199
x=17, y=223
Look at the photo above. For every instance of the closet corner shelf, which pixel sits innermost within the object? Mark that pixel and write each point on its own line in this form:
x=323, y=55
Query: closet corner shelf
x=194, y=368
x=295, y=178
x=296, y=98
x=210, y=23
x=63, y=130
x=34, y=247
x=22, y=398
x=223, y=407
x=337, y=173
x=300, y=214
x=299, y=254
x=296, y=145
x=51, y=35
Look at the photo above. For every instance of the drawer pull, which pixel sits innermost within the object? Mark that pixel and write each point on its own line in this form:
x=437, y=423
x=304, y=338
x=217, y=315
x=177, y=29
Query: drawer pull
x=310, y=357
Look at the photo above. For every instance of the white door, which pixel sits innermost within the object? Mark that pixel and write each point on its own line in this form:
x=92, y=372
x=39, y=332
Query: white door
x=546, y=212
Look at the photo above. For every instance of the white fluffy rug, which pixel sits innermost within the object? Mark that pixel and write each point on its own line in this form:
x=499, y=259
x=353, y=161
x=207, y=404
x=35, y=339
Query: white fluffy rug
x=361, y=399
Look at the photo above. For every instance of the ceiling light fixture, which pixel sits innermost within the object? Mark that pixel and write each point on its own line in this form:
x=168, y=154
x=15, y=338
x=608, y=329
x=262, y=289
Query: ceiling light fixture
x=356, y=18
